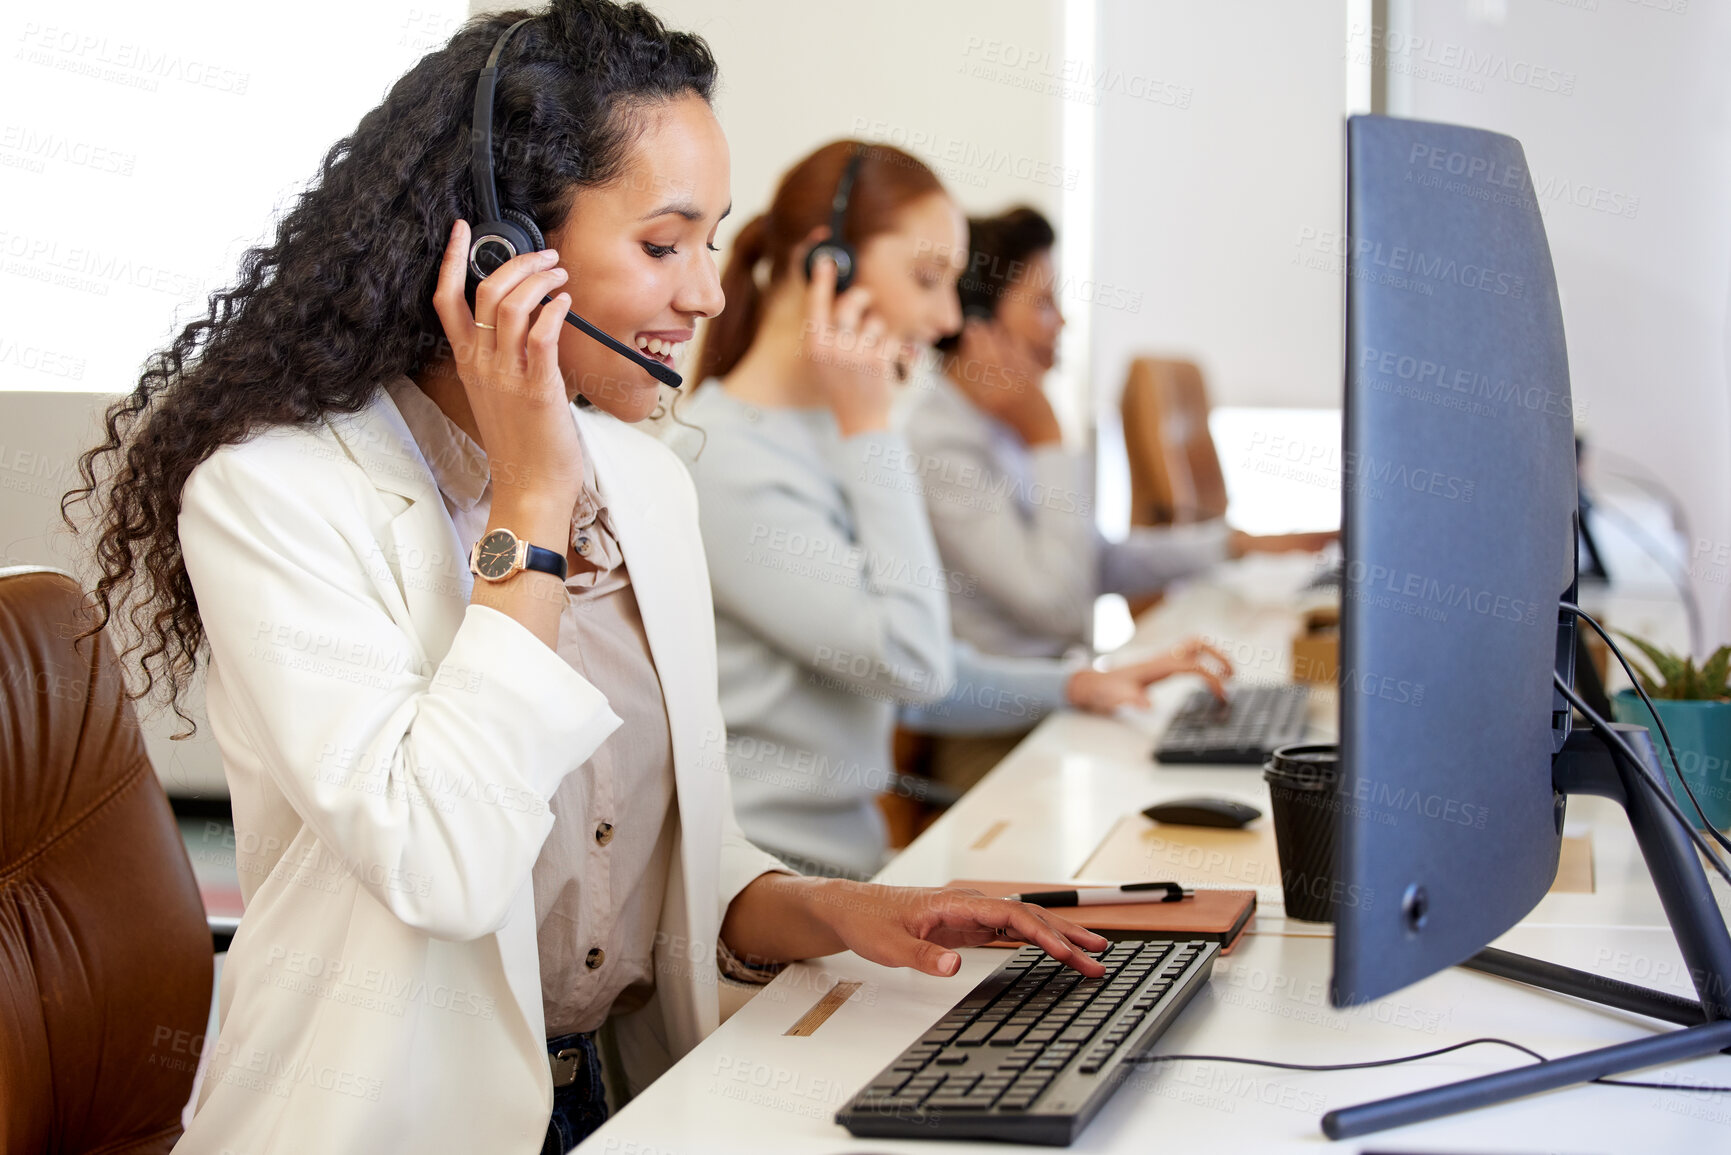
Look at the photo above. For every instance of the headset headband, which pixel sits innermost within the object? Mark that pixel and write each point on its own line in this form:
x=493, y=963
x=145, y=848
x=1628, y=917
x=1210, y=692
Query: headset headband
x=481, y=130
x=844, y=190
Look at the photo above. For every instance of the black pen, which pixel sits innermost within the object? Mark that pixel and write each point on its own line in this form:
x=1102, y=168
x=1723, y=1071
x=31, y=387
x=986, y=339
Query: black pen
x=1108, y=895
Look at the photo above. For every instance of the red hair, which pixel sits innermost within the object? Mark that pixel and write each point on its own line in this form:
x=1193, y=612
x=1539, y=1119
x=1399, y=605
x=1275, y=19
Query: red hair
x=887, y=181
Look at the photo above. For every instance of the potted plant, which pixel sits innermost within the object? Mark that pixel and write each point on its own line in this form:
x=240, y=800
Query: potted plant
x=1695, y=703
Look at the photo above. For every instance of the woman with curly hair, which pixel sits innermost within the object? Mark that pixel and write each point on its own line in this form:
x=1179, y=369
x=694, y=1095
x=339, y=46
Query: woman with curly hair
x=459, y=639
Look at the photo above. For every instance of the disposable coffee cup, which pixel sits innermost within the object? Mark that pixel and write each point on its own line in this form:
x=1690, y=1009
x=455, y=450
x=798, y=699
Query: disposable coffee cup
x=1303, y=789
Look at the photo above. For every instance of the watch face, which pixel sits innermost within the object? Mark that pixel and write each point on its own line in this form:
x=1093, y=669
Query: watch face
x=496, y=554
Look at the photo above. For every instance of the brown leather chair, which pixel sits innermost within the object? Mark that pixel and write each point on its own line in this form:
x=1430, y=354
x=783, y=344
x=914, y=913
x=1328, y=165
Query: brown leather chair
x=1175, y=473
x=105, y=956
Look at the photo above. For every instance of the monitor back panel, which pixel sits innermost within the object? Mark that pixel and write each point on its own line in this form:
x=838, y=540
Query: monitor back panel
x=1458, y=489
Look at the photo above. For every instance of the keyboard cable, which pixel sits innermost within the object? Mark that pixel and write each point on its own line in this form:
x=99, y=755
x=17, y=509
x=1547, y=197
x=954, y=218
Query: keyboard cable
x=1525, y=1050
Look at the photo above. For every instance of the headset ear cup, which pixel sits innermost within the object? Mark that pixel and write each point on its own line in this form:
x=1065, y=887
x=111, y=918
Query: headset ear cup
x=495, y=242
x=841, y=253
x=525, y=222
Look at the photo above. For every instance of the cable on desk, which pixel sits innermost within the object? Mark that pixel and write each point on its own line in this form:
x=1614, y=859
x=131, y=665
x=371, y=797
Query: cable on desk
x=1525, y=1050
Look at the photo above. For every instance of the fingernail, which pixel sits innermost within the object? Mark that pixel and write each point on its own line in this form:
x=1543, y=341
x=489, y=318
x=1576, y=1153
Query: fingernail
x=950, y=963
x=550, y=256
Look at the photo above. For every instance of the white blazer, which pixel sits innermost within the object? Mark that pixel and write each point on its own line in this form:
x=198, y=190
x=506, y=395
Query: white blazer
x=390, y=750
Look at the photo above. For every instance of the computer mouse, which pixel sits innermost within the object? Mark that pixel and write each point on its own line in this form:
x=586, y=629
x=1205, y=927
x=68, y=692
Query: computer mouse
x=1203, y=811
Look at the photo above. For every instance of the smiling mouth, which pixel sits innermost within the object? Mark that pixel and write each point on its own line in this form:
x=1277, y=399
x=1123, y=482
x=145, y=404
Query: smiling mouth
x=661, y=350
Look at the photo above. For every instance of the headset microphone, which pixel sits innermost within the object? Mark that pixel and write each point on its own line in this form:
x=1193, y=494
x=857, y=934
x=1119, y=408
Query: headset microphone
x=504, y=233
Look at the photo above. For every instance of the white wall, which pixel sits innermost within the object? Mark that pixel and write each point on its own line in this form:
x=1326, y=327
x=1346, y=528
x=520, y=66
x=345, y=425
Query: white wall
x=1624, y=110
x=142, y=148
x=1202, y=204
x=796, y=74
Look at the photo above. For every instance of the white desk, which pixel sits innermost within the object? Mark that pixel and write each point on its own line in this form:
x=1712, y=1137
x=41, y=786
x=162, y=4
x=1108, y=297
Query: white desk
x=751, y=1088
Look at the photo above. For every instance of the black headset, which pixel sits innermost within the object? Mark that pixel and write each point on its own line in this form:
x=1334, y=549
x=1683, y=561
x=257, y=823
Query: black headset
x=505, y=233
x=835, y=246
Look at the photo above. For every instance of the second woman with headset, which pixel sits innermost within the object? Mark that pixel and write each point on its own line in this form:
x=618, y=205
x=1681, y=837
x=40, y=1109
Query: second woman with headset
x=832, y=606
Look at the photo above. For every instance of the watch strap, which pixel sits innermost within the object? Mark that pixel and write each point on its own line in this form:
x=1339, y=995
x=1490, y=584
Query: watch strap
x=543, y=560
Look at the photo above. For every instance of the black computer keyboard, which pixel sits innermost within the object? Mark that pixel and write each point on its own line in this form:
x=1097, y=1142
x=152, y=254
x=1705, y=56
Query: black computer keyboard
x=1326, y=579
x=1035, y=1050
x=1242, y=731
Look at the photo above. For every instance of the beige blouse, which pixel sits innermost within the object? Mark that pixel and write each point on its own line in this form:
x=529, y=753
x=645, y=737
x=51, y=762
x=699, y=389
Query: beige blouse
x=602, y=873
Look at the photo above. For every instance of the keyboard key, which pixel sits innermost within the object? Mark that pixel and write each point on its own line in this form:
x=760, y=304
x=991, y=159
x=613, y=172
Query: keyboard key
x=1030, y=1087
x=977, y=1034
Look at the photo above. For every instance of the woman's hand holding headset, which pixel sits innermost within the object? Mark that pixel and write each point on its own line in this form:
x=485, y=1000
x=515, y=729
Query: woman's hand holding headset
x=850, y=361
x=508, y=360
x=1002, y=377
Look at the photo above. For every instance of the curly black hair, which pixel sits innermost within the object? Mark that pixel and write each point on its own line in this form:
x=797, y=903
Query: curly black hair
x=341, y=301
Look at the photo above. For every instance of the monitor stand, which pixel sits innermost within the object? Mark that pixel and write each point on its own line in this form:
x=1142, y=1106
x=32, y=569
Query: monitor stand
x=1585, y=766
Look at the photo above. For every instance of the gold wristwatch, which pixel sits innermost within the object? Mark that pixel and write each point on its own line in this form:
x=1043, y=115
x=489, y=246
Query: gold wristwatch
x=501, y=554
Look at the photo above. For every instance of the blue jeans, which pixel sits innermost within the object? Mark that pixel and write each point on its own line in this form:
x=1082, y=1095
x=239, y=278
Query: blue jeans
x=579, y=1107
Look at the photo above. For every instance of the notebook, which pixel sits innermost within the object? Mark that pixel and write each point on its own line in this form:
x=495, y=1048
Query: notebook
x=1218, y=915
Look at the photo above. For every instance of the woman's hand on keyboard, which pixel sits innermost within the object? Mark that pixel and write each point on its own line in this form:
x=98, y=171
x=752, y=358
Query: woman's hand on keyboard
x=1103, y=691
x=908, y=926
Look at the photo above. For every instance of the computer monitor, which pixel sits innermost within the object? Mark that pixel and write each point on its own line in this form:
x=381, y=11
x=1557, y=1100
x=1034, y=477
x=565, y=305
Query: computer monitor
x=1458, y=536
x=1459, y=543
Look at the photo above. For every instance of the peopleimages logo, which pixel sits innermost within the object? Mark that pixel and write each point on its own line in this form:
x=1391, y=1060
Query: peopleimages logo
x=1498, y=182
x=1455, y=163
x=1427, y=378
x=1430, y=598
x=1450, y=62
x=1395, y=264
x=966, y=159
x=1373, y=475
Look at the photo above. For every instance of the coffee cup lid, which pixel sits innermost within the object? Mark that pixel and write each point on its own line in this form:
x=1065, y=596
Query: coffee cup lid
x=1305, y=766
